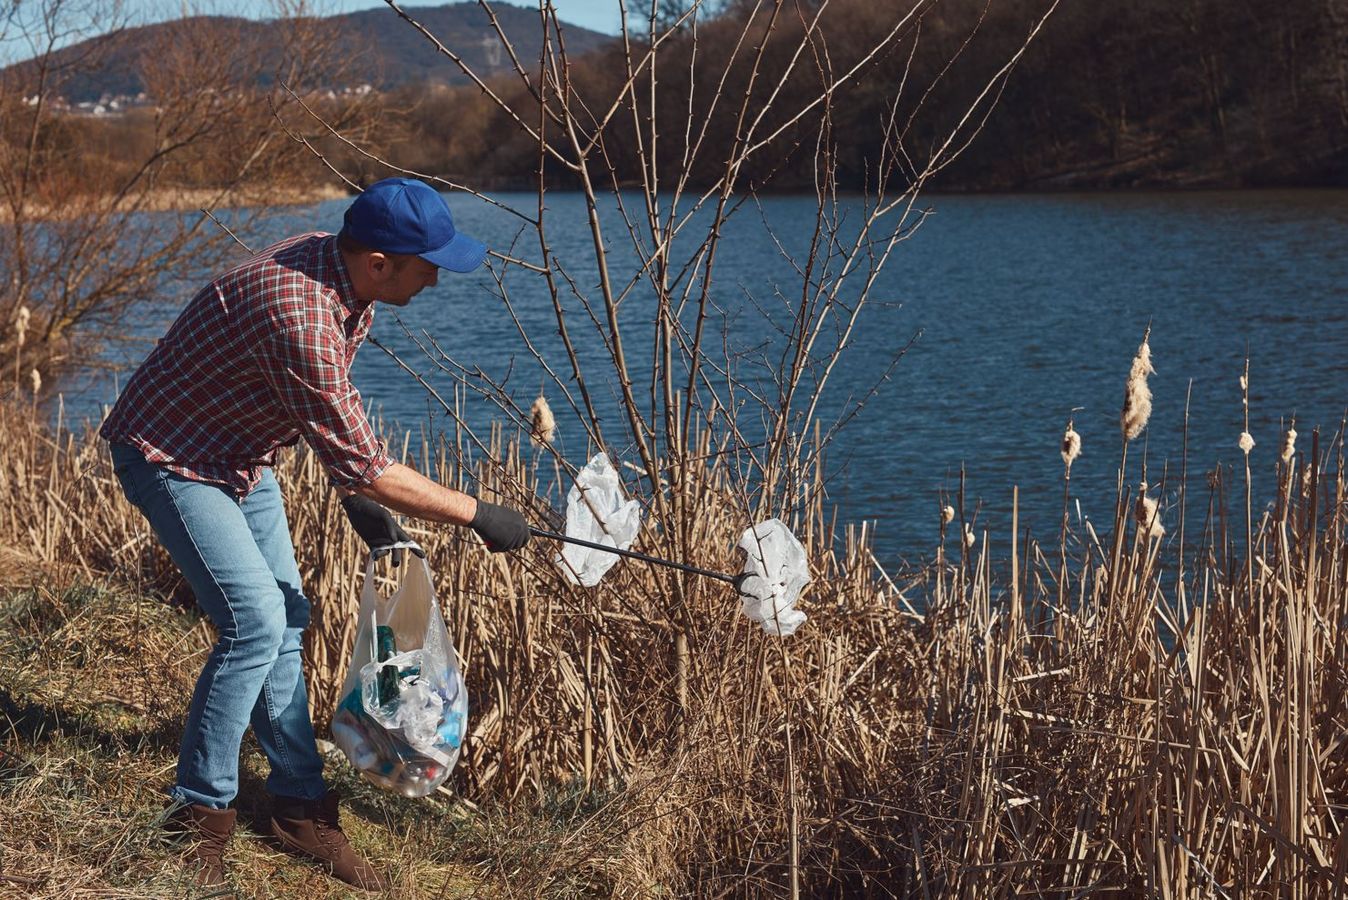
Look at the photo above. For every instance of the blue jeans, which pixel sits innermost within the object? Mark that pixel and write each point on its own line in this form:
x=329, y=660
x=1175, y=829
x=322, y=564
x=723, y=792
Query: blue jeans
x=237, y=556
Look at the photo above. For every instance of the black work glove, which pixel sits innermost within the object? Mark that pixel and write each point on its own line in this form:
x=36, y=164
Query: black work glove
x=377, y=527
x=501, y=527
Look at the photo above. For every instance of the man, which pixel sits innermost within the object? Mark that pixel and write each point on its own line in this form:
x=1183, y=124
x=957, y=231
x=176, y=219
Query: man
x=259, y=358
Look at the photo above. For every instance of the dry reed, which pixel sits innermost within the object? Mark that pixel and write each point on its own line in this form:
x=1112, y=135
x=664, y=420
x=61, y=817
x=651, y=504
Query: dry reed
x=1071, y=447
x=542, y=423
x=1136, y=393
x=1157, y=733
x=1147, y=515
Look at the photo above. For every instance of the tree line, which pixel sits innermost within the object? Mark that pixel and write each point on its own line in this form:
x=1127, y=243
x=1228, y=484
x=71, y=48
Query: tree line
x=1111, y=94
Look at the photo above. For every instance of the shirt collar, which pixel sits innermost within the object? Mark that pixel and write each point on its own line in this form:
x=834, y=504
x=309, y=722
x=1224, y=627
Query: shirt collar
x=341, y=278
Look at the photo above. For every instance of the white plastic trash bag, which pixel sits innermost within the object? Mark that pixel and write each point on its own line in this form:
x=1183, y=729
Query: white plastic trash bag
x=404, y=706
x=774, y=573
x=598, y=511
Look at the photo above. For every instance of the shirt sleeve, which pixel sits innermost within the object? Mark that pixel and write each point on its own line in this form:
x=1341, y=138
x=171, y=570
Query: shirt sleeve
x=305, y=367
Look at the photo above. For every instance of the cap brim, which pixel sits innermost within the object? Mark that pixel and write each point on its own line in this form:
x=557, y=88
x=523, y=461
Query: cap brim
x=461, y=254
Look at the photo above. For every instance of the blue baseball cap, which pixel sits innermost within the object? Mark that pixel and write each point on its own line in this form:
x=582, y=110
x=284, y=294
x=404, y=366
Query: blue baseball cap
x=406, y=216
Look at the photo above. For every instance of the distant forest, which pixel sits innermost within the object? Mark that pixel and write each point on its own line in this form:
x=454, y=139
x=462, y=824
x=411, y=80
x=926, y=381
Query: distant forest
x=1123, y=93
x=1111, y=94
x=1173, y=93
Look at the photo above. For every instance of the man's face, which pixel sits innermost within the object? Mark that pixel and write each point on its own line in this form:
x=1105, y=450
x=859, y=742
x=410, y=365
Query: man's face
x=405, y=278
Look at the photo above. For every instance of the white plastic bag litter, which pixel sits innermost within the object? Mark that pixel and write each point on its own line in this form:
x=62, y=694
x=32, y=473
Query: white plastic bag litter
x=775, y=572
x=401, y=721
x=598, y=490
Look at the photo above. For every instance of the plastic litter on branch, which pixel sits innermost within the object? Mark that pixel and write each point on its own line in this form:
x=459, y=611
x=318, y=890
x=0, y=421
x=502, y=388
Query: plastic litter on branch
x=599, y=516
x=597, y=510
x=404, y=707
x=774, y=573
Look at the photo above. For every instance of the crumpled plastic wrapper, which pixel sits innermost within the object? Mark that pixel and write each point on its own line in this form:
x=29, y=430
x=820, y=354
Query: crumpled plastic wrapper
x=774, y=573
x=598, y=490
x=424, y=712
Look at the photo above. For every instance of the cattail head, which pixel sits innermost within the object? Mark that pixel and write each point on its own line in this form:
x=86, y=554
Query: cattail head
x=21, y=323
x=969, y=538
x=1289, y=445
x=1136, y=394
x=1146, y=514
x=1071, y=446
x=948, y=514
x=542, y=424
x=1246, y=442
x=36, y=378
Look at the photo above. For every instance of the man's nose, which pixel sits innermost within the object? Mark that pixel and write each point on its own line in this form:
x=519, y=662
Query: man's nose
x=435, y=277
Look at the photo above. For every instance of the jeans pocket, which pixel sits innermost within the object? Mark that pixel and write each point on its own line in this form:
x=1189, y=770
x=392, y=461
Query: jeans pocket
x=129, y=467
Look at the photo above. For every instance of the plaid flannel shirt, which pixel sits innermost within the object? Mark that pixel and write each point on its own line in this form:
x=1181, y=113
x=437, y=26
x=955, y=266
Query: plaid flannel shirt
x=260, y=357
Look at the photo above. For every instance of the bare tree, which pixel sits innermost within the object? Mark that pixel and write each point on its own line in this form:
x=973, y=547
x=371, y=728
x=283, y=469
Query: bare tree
x=662, y=174
x=82, y=235
x=768, y=89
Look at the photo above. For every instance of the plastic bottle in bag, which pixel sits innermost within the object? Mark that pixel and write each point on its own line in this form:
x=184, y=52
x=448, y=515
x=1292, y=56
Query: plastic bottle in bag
x=387, y=683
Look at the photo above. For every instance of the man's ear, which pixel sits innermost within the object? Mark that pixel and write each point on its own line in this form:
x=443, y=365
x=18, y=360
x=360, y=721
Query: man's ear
x=379, y=266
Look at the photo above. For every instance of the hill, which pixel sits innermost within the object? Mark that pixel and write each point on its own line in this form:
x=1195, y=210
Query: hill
x=379, y=48
x=394, y=54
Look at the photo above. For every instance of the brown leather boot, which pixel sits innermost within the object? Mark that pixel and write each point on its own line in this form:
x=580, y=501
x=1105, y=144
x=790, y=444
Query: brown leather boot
x=206, y=831
x=310, y=828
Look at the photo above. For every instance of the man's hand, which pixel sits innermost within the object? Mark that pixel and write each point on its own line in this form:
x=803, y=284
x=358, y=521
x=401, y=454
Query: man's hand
x=501, y=527
x=376, y=526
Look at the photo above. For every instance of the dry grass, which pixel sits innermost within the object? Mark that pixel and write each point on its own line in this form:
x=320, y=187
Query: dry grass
x=1131, y=721
x=93, y=687
x=181, y=198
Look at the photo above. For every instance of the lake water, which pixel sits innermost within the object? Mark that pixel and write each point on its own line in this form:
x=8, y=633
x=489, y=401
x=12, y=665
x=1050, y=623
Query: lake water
x=1026, y=307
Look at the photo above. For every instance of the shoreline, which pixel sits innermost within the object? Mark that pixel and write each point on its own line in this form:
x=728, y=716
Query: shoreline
x=178, y=199
x=182, y=199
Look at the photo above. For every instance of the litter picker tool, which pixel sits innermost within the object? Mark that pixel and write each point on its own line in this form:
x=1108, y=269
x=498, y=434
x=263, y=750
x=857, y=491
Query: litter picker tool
x=632, y=554
x=775, y=571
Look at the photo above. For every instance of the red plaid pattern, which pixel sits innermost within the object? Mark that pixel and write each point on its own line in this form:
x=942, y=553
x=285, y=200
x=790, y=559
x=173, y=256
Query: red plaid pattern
x=260, y=357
